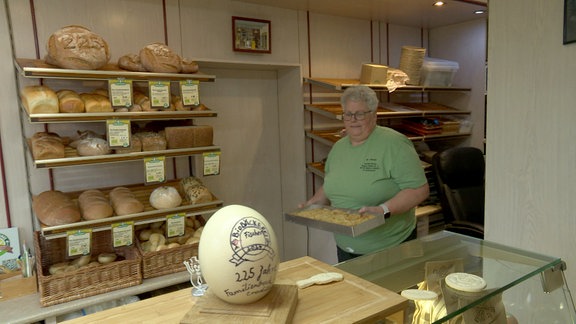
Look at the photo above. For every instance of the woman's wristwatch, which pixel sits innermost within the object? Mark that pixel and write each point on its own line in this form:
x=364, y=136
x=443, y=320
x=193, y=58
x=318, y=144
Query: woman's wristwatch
x=386, y=211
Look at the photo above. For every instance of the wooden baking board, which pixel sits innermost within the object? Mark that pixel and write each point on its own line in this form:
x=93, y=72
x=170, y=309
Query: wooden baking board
x=278, y=306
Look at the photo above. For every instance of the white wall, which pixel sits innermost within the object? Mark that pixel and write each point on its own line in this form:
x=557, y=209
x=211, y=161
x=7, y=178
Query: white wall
x=531, y=156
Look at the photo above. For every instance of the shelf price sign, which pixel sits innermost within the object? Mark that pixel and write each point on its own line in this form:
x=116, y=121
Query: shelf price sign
x=159, y=94
x=155, y=168
x=175, y=224
x=211, y=163
x=118, y=132
x=190, y=92
x=78, y=242
x=122, y=234
x=120, y=92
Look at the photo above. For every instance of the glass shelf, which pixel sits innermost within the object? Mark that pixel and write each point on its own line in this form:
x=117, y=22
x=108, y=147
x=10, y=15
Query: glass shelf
x=532, y=286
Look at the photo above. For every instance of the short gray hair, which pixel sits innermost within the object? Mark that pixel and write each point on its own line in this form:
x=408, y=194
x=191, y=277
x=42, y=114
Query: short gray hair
x=360, y=94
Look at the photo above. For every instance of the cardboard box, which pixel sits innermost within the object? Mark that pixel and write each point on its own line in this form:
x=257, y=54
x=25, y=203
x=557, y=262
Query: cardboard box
x=14, y=285
x=374, y=74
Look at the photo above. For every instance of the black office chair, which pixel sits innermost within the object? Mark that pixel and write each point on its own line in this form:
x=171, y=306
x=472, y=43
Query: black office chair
x=459, y=174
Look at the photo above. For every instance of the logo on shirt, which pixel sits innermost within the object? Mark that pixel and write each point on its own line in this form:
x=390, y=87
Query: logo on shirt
x=369, y=165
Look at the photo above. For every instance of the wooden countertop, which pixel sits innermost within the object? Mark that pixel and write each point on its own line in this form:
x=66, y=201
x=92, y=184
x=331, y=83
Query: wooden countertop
x=352, y=300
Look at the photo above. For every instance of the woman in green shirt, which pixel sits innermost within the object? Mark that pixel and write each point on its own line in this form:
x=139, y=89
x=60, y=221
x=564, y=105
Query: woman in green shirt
x=373, y=169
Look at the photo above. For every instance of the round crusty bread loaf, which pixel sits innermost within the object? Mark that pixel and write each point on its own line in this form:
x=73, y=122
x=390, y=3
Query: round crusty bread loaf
x=94, y=205
x=189, y=66
x=76, y=47
x=54, y=208
x=131, y=62
x=93, y=146
x=157, y=57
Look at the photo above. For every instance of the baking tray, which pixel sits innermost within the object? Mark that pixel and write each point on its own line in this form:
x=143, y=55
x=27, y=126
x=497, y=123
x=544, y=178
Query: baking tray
x=333, y=227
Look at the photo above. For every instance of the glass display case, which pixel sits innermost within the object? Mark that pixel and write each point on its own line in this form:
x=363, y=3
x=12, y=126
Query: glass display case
x=518, y=286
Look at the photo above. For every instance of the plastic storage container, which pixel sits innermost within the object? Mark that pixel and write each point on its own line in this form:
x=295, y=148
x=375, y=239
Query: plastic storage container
x=438, y=72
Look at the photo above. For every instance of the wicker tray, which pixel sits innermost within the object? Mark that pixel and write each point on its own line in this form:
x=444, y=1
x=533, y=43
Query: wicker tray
x=163, y=262
x=84, y=282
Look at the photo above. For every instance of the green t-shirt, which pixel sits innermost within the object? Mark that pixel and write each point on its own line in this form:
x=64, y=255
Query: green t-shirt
x=368, y=175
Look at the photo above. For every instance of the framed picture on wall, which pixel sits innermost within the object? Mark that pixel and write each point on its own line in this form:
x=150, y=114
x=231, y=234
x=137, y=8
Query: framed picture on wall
x=251, y=35
x=569, y=21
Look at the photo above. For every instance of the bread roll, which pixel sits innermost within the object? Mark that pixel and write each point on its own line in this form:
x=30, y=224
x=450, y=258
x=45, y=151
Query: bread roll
x=39, y=100
x=92, y=147
x=94, y=205
x=69, y=101
x=78, y=48
x=96, y=103
x=188, y=136
x=157, y=57
x=105, y=258
x=131, y=62
x=54, y=208
x=47, y=145
x=124, y=201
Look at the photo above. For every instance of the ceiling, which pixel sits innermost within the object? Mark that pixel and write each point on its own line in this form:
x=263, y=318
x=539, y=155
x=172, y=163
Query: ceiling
x=417, y=13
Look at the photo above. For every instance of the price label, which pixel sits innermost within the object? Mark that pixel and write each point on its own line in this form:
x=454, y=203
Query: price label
x=118, y=131
x=175, y=224
x=122, y=234
x=155, y=168
x=211, y=163
x=120, y=91
x=79, y=242
x=159, y=94
x=190, y=92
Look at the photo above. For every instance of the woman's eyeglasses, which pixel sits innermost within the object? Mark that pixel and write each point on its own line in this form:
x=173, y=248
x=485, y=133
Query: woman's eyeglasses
x=359, y=115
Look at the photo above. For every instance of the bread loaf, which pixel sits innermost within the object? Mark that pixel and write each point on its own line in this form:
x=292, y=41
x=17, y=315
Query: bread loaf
x=54, y=208
x=94, y=205
x=189, y=66
x=93, y=147
x=39, y=100
x=69, y=101
x=195, y=191
x=47, y=145
x=131, y=62
x=152, y=141
x=142, y=100
x=124, y=201
x=165, y=197
x=76, y=47
x=188, y=136
x=157, y=57
x=135, y=146
x=94, y=103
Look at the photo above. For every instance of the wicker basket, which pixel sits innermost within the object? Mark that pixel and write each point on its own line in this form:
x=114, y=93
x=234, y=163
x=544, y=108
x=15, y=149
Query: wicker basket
x=163, y=262
x=88, y=281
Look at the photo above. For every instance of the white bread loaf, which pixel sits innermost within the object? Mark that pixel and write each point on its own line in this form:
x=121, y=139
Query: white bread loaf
x=157, y=57
x=76, y=47
x=54, y=208
x=131, y=62
x=39, y=100
x=94, y=205
x=188, y=136
x=96, y=103
x=125, y=202
x=165, y=197
x=69, y=101
x=47, y=145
